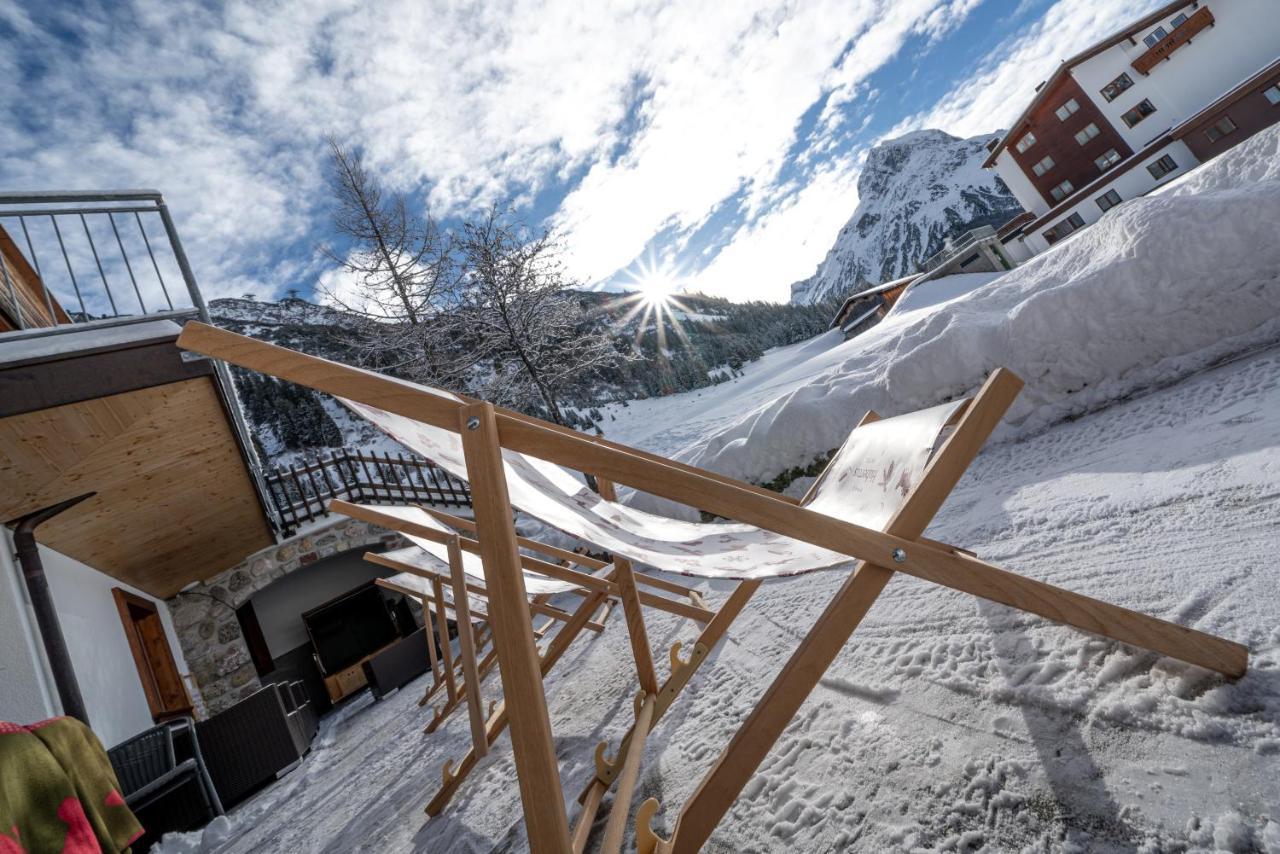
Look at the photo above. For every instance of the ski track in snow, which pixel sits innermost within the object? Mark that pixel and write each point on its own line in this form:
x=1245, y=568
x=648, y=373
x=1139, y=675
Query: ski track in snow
x=948, y=724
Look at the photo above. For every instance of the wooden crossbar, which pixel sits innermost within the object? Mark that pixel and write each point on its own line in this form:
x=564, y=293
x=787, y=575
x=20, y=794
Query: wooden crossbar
x=535, y=606
x=465, y=524
x=377, y=516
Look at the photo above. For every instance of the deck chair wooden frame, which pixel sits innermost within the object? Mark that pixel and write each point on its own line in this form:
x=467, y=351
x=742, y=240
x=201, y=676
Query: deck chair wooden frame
x=485, y=431
x=621, y=584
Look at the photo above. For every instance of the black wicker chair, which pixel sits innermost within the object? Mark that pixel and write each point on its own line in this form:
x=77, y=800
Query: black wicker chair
x=398, y=664
x=251, y=743
x=149, y=772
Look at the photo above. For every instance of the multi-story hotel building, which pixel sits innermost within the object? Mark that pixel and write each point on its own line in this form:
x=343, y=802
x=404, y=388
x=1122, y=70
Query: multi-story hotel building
x=1134, y=111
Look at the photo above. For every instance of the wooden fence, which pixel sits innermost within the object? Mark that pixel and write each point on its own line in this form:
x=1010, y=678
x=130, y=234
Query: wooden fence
x=301, y=492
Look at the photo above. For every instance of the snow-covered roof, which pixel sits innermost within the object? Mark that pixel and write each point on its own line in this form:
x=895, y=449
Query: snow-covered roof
x=58, y=342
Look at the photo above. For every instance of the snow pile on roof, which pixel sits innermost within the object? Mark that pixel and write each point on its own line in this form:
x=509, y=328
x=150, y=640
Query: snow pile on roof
x=1160, y=287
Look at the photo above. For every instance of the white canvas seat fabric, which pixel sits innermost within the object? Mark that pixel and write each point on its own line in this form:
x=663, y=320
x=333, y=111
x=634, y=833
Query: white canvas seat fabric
x=415, y=556
x=434, y=557
x=866, y=481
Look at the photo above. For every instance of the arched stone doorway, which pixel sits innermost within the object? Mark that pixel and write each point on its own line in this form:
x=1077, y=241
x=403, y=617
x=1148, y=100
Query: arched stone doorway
x=204, y=615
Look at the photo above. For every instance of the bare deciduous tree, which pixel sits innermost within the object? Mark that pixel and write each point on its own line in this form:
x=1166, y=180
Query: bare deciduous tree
x=400, y=269
x=521, y=316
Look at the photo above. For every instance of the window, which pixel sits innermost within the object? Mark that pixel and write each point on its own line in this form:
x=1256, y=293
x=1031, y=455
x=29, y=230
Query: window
x=1162, y=167
x=1066, y=110
x=1087, y=134
x=1113, y=89
x=1043, y=166
x=1273, y=92
x=1108, y=200
x=1155, y=36
x=1178, y=20
x=1061, y=191
x=1220, y=128
x=1140, y=111
x=1028, y=140
x=1064, y=228
x=1106, y=161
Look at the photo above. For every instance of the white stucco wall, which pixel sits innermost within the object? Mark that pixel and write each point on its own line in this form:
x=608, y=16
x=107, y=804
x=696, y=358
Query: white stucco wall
x=95, y=639
x=1019, y=184
x=1244, y=38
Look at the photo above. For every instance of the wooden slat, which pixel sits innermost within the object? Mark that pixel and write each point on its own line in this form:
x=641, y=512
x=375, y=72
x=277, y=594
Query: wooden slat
x=546, y=821
x=466, y=644
x=498, y=720
x=617, y=824
x=631, y=610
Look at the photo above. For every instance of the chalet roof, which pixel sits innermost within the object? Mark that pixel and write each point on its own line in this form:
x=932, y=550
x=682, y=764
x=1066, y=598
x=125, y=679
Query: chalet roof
x=1084, y=56
x=869, y=292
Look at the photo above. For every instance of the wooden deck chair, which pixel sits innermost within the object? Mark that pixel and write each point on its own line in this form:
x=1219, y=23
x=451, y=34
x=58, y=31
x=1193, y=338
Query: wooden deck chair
x=426, y=561
x=776, y=536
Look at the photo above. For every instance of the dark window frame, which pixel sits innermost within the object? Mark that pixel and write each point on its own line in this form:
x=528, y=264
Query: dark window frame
x=1111, y=197
x=1063, y=190
x=1154, y=37
x=1166, y=165
x=1138, y=113
x=1215, y=131
x=1106, y=155
x=1116, y=92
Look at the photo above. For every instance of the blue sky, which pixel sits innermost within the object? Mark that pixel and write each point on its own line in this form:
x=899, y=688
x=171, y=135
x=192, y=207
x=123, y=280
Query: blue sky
x=715, y=143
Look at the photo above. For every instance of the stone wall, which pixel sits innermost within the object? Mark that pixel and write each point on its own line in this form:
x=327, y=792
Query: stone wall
x=205, y=618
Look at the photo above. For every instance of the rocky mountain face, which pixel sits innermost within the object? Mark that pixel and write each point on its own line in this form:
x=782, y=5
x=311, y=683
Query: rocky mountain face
x=913, y=193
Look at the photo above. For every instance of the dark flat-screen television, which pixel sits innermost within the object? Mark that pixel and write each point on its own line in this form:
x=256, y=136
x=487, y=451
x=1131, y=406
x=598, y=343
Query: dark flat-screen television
x=346, y=629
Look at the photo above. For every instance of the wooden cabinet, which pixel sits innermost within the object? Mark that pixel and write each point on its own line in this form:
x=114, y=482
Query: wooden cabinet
x=349, y=680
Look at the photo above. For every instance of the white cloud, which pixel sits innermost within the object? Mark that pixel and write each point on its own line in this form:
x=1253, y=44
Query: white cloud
x=786, y=244
x=998, y=90
x=663, y=110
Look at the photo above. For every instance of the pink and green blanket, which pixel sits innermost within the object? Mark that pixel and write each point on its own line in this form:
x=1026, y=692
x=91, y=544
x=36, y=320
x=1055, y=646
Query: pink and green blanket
x=58, y=792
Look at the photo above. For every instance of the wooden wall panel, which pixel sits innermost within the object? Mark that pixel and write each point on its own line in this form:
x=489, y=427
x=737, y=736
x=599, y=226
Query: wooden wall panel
x=33, y=305
x=1056, y=138
x=175, y=502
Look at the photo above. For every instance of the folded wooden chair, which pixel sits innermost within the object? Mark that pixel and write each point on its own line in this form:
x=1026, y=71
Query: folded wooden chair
x=449, y=561
x=873, y=515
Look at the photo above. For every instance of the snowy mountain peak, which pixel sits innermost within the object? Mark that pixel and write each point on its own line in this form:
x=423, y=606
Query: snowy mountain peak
x=913, y=193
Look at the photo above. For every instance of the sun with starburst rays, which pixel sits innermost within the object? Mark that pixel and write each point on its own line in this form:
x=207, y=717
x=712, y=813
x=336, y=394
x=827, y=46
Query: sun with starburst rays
x=654, y=301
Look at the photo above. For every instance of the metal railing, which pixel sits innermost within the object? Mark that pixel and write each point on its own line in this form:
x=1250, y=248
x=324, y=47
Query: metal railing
x=954, y=247
x=96, y=255
x=301, y=492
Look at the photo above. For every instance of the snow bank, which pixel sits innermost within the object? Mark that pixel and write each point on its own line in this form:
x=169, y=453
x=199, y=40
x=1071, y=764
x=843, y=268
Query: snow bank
x=1161, y=287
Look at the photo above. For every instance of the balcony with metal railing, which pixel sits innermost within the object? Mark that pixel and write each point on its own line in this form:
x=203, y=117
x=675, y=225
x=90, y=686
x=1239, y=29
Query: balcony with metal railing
x=79, y=257
x=955, y=246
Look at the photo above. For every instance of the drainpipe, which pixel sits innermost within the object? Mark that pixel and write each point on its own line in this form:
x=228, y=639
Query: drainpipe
x=55, y=645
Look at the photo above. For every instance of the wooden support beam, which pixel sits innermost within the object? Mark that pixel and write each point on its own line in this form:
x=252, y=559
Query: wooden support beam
x=442, y=632
x=466, y=645
x=621, y=809
x=546, y=821
x=632, y=611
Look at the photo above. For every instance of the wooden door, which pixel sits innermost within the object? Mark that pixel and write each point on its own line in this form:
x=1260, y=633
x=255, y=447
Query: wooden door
x=161, y=681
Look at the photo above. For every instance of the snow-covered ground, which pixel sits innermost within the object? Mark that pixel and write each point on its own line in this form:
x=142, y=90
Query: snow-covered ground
x=1143, y=468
